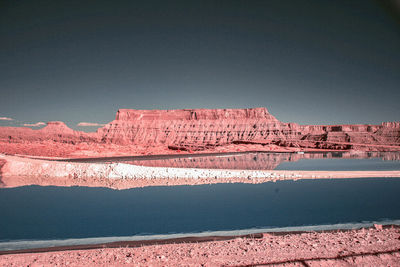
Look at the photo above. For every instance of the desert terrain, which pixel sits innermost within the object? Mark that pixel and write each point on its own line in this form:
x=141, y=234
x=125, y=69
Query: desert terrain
x=46, y=157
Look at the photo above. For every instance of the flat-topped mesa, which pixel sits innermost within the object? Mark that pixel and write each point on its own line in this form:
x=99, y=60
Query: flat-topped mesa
x=194, y=114
x=193, y=126
x=391, y=124
x=201, y=128
x=197, y=129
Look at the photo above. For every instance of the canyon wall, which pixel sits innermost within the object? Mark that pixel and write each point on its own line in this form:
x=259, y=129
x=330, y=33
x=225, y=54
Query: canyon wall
x=197, y=129
x=194, y=127
x=353, y=136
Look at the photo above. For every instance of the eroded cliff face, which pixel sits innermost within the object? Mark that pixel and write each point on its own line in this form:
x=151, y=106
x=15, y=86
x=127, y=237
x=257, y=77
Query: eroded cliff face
x=194, y=127
x=197, y=129
x=350, y=136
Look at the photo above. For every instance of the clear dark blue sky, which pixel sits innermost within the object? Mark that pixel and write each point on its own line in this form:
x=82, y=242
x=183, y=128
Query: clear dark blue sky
x=311, y=62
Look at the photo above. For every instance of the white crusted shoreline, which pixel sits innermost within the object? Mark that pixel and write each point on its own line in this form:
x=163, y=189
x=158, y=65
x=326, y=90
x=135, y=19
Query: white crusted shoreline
x=19, y=166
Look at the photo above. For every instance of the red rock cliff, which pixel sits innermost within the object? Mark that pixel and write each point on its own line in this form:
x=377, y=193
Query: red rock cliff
x=194, y=114
x=325, y=135
x=199, y=128
x=193, y=126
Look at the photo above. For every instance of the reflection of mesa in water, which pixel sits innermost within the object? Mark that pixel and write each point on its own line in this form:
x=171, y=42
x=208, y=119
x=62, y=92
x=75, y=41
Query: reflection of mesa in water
x=256, y=161
x=101, y=173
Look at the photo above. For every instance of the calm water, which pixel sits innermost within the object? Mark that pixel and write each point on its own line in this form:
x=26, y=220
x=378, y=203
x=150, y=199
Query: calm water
x=37, y=213
x=57, y=213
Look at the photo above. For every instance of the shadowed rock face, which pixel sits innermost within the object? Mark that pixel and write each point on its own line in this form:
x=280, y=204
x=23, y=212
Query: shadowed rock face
x=196, y=129
x=388, y=133
x=193, y=114
x=194, y=126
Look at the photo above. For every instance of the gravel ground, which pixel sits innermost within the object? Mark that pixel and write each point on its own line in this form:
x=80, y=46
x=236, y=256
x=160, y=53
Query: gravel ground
x=363, y=247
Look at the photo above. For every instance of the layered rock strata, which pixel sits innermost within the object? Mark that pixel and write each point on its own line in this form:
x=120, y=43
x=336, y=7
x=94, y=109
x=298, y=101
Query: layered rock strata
x=194, y=127
x=198, y=129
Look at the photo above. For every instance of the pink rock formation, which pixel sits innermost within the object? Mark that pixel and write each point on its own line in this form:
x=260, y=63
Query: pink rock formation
x=54, y=130
x=194, y=127
x=198, y=129
x=384, y=134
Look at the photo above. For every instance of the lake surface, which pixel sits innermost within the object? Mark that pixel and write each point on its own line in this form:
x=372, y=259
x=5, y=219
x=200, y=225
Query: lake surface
x=53, y=213
x=42, y=216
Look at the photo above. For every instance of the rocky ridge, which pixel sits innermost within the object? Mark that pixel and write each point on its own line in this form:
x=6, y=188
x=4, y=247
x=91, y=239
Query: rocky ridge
x=198, y=129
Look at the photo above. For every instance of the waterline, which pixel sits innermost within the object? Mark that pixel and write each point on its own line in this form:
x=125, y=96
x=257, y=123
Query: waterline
x=33, y=244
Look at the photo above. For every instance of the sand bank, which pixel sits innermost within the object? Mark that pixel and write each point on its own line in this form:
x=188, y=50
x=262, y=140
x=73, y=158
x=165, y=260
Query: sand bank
x=367, y=247
x=18, y=171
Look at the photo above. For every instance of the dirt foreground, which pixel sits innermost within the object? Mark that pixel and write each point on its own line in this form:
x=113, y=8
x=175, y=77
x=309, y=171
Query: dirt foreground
x=364, y=247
